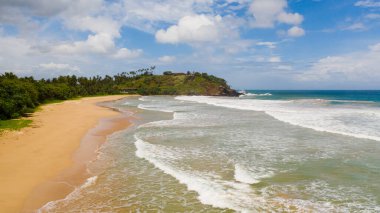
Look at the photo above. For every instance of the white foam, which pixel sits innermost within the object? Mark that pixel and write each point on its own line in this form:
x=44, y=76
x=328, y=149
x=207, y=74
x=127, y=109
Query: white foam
x=142, y=98
x=243, y=175
x=347, y=198
x=154, y=108
x=255, y=95
x=215, y=192
x=183, y=120
x=228, y=194
x=360, y=122
x=48, y=207
x=89, y=182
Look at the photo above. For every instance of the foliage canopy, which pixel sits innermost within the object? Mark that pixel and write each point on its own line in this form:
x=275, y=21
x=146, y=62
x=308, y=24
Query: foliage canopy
x=21, y=95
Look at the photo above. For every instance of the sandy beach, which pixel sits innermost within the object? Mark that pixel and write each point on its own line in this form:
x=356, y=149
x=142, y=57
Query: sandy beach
x=50, y=150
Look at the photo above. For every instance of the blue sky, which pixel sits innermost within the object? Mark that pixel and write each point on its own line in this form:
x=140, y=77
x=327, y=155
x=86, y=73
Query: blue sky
x=257, y=44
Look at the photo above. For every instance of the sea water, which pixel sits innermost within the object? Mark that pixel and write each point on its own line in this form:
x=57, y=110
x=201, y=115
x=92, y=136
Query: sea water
x=266, y=151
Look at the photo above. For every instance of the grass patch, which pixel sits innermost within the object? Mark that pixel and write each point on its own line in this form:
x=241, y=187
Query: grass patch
x=54, y=101
x=15, y=124
x=49, y=101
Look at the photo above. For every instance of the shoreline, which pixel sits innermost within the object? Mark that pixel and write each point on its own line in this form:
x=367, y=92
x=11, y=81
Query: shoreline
x=35, y=171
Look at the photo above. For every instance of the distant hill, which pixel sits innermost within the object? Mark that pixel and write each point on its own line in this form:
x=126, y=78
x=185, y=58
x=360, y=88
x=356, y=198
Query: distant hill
x=20, y=96
x=178, y=84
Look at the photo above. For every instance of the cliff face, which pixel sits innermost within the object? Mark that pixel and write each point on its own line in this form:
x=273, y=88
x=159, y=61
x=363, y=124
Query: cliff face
x=180, y=84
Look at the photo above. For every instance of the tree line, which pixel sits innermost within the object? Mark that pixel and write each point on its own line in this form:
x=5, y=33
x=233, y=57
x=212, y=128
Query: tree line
x=20, y=96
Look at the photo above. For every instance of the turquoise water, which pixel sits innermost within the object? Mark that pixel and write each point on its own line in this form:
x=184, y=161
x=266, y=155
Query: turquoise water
x=263, y=152
x=342, y=95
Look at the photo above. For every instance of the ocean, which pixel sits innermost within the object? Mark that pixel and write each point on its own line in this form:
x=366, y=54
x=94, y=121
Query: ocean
x=266, y=151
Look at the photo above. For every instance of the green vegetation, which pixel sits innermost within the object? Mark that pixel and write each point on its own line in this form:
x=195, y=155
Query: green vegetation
x=15, y=124
x=178, y=84
x=21, y=96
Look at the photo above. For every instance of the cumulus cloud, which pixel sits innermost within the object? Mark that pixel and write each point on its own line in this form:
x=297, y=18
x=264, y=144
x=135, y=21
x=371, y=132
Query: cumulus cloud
x=54, y=66
x=22, y=13
x=125, y=53
x=98, y=43
x=167, y=59
x=195, y=28
x=100, y=24
x=38, y=7
x=98, y=18
x=359, y=66
x=12, y=47
x=148, y=14
x=89, y=33
x=268, y=12
x=101, y=43
x=296, y=32
x=290, y=18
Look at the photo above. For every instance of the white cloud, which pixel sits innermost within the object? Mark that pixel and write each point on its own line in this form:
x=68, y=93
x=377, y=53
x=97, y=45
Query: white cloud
x=100, y=19
x=125, y=53
x=359, y=66
x=87, y=32
x=38, y=7
x=84, y=7
x=167, y=59
x=22, y=13
x=97, y=25
x=274, y=59
x=290, y=18
x=375, y=47
x=367, y=3
x=268, y=44
x=195, y=28
x=356, y=27
x=235, y=45
x=54, y=66
x=268, y=12
x=373, y=16
x=296, y=32
x=147, y=15
x=285, y=67
x=99, y=43
x=14, y=16
x=12, y=47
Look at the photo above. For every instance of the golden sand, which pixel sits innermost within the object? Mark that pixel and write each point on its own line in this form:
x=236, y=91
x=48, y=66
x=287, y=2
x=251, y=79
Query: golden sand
x=31, y=158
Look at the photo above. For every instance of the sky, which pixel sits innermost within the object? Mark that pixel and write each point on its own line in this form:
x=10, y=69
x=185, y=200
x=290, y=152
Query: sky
x=253, y=44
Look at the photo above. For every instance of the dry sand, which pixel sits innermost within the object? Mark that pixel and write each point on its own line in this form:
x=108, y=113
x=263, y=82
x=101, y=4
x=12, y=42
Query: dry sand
x=31, y=158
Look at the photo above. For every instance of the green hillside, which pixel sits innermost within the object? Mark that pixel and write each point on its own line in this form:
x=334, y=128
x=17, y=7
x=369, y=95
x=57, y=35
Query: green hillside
x=178, y=84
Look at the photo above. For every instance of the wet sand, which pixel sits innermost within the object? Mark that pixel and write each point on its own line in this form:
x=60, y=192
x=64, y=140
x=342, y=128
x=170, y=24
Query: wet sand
x=48, y=160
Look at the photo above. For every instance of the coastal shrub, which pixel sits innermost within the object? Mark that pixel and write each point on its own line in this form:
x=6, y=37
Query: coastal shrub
x=17, y=97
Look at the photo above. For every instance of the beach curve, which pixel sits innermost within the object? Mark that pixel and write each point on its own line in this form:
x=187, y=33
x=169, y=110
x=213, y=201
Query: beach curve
x=37, y=154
